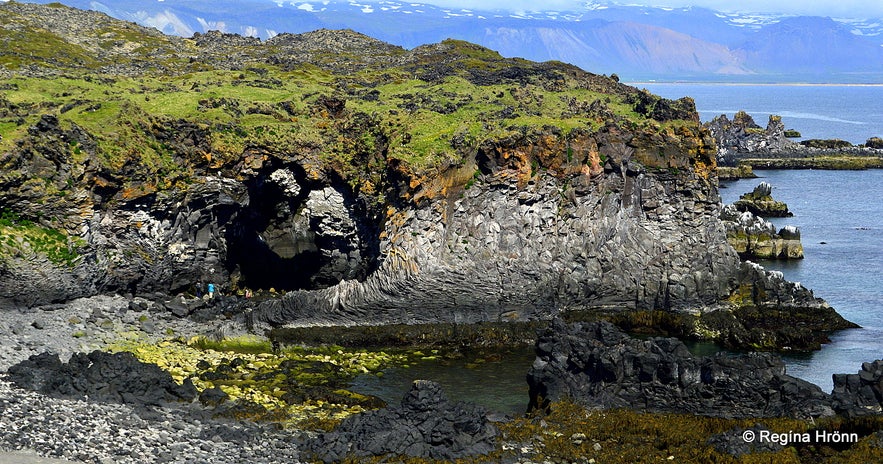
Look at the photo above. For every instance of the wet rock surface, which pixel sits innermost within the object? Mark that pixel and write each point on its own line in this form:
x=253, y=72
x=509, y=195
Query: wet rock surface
x=599, y=366
x=425, y=425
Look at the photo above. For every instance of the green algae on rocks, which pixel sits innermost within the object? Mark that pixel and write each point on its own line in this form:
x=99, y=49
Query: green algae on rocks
x=296, y=386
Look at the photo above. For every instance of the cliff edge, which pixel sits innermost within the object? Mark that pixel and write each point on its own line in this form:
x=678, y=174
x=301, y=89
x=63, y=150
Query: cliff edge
x=369, y=183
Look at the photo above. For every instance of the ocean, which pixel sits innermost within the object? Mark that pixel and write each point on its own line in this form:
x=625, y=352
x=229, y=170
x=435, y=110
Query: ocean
x=840, y=216
x=849, y=112
x=840, y=213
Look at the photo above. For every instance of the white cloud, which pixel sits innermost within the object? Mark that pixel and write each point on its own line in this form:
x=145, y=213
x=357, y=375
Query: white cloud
x=165, y=21
x=840, y=8
x=212, y=25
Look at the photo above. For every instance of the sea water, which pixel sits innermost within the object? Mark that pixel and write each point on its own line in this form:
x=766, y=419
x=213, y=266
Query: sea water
x=839, y=213
x=848, y=112
x=840, y=216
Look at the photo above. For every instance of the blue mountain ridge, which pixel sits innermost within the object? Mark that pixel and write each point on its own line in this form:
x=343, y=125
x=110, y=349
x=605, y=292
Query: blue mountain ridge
x=637, y=43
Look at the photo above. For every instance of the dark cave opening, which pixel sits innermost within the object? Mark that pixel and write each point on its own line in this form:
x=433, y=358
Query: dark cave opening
x=299, y=237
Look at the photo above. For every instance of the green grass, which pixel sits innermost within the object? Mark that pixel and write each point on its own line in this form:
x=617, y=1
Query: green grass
x=389, y=113
x=23, y=238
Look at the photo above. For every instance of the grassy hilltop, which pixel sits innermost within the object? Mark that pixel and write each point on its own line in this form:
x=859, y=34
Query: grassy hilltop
x=144, y=112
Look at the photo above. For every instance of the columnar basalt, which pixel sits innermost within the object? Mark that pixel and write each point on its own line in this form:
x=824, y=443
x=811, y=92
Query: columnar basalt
x=374, y=184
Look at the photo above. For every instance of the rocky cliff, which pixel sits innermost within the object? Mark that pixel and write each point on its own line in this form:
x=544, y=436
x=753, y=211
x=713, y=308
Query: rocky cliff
x=755, y=238
x=372, y=184
x=743, y=143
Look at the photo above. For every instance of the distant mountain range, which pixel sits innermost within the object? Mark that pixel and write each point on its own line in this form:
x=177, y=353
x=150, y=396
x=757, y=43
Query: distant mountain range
x=636, y=43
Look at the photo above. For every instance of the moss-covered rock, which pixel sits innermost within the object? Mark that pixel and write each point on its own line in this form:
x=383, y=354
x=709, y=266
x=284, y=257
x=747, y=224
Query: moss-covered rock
x=761, y=203
x=244, y=378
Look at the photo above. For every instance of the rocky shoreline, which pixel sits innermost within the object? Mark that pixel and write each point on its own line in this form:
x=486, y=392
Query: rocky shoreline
x=444, y=186
x=85, y=430
x=597, y=365
x=132, y=430
x=744, y=146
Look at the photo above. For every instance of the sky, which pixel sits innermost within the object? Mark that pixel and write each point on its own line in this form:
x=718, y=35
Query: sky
x=837, y=8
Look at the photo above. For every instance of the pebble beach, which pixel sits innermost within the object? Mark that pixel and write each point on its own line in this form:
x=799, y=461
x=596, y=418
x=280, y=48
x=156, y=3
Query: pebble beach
x=35, y=428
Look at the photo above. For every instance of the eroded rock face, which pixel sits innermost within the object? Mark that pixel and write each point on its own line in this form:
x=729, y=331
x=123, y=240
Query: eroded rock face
x=598, y=366
x=516, y=246
x=292, y=236
x=760, y=202
x=618, y=216
x=742, y=135
x=860, y=394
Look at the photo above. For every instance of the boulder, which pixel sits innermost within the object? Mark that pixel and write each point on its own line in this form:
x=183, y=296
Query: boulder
x=597, y=365
x=425, y=425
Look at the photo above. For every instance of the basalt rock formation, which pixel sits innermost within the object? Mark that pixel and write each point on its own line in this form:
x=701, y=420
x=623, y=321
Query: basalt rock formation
x=755, y=238
x=743, y=144
x=100, y=376
x=760, y=202
x=425, y=425
x=860, y=394
x=601, y=367
x=373, y=184
x=743, y=135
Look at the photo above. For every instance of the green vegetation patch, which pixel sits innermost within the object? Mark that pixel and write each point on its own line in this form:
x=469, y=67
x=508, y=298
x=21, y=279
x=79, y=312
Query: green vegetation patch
x=23, y=238
x=300, y=387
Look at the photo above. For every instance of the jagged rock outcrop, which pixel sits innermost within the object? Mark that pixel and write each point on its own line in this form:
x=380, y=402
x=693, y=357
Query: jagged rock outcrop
x=859, y=394
x=772, y=313
x=743, y=135
x=519, y=246
x=770, y=147
x=760, y=202
x=425, y=425
x=598, y=366
x=755, y=238
x=100, y=376
x=437, y=199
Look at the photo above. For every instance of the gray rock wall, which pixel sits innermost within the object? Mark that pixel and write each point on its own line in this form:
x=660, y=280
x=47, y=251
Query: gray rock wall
x=627, y=239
